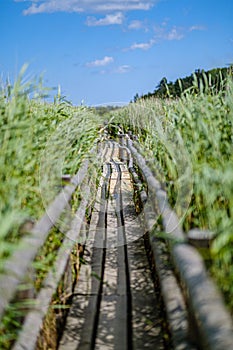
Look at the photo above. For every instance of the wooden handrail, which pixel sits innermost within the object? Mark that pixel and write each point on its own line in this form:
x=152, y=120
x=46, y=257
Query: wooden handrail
x=17, y=265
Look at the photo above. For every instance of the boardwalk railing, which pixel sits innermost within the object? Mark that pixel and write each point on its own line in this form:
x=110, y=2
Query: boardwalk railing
x=18, y=266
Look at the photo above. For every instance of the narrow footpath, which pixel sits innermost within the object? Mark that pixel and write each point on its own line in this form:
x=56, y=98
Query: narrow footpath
x=115, y=304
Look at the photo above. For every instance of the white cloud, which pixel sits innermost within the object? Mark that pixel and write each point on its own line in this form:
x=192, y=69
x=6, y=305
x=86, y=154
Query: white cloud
x=98, y=6
x=197, y=27
x=116, y=18
x=163, y=33
x=51, y=6
x=142, y=46
x=135, y=24
x=123, y=69
x=121, y=5
x=174, y=34
x=100, y=63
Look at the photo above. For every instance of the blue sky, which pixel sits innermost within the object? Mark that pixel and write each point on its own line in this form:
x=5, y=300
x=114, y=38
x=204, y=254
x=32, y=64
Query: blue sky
x=105, y=52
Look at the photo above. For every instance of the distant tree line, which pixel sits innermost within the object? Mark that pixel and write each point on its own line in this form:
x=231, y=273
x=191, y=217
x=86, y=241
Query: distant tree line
x=199, y=80
x=102, y=110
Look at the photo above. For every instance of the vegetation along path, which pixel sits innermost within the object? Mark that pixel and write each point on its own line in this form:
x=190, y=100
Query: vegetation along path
x=131, y=277
x=116, y=230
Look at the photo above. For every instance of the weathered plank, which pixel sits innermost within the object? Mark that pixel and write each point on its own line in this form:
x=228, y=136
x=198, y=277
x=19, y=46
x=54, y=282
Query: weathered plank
x=146, y=319
x=122, y=324
x=105, y=332
x=97, y=265
x=75, y=320
x=82, y=321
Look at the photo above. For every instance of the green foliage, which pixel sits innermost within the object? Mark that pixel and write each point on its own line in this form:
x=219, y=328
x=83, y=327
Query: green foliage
x=26, y=126
x=188, y=142
x=200, y=80
x=33, y=136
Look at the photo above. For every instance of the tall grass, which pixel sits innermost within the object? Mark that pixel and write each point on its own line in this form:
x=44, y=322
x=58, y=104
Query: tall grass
x=189, y=143
x=34, y=135
x=26, y=126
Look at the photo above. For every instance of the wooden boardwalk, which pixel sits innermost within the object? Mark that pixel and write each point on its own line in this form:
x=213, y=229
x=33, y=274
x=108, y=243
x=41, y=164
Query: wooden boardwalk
x=121, y=299
x=115, y=305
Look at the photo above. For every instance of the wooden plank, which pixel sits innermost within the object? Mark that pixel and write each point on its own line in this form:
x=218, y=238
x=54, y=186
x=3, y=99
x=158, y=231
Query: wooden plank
x=109, y=153
x=122, y=324
x=88, y=333
x=82, y=320
x=127, y=157
x=113, y=319
x=146, y=307
x=113, y=326
x=112, y=332
x=105, y=333
x=146, y=319
x=82, y=293
x=122, y=151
